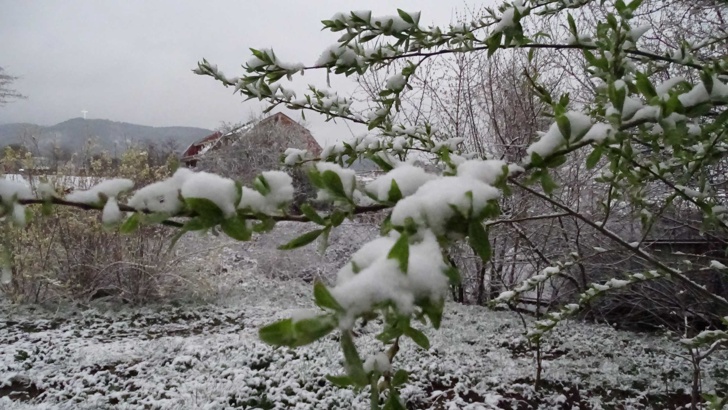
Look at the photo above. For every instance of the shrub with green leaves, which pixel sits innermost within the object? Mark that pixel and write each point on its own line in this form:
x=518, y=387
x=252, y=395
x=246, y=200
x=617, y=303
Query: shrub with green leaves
x=643, y=130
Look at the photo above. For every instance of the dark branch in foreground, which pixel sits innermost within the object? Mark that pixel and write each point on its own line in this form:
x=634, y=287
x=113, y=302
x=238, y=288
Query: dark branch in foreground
x=175, y=224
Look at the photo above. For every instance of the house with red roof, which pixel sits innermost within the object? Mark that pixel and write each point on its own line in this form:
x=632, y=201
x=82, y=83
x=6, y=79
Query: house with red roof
x=218, y=140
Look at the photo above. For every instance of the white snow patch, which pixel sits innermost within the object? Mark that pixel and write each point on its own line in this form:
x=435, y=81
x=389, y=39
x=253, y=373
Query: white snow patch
x=220, y=191
x=110, y=188
x=162, y=196
x=431, y=205
x=408, y=178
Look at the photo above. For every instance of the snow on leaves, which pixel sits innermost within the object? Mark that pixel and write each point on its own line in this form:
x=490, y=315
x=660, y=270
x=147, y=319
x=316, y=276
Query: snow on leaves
x=403, y=274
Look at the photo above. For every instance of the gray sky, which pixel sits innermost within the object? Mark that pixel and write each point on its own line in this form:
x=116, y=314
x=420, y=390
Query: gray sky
x=130, y=60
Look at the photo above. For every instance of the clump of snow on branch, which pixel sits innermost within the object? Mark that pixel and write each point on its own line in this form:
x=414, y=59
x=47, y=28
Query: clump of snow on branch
x=580, y=126
x=221, y=191
x=347, y=176
x=256, y=63
x=396, y=82
x=508, y=18
x=10, y=191
x=111, y=213
x=292, y=156
x=372, y=278
x=254, y=201
x=279, y=193
x=377, y=363
x=162, y=196
x=19, y=214
x=396, y=24
x=109, y=188
x=699, y=93
x=488, y=171
x=407, y=177
x=337, y=54
x=436, y=202
x=281, y=187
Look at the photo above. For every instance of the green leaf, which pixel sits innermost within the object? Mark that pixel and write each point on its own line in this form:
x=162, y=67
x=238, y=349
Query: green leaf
x=537, y=160
x=634, y=4
x=261, y=185
x=311, y=214
x=555, y=162
x=288, y=332
x=197, y=224
x=393, y=401
x=236, y=228
x=478, y=239
x=707, y=79
x=547, y=183
x=315, y=177
x=564, y=100
x=265, y=224
x=417, y=337
x=337, y=218
x=205, y=208
x=400, y=252
x=572, y=25
x=131, y=224
x=400, y=377
x=389, y=334
x=453, y=275
x=384, y=165
x=46, y=208
x=332, y=182
x=433, y=311
x=340, y=381
x=352, y=361
x=280, y=333
x=307, y=331
x=374, y=122
x=406, y=17
x=238, y=192
x=153, y=218
x=645, y=86
x=364, y=39
x=394, y=194
x=302, y=240
x=324, y=299
x=493, y=42
x=564, y=126
x=593, y=159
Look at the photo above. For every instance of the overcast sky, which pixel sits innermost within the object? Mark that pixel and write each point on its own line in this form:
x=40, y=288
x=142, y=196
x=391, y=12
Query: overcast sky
x=131, y=60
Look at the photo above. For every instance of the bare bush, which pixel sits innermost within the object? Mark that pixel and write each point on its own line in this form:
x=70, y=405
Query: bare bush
x=68, y=254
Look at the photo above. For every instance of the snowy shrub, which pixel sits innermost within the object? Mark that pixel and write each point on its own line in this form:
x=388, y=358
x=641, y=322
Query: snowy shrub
x=656, y=143
x=67, y=253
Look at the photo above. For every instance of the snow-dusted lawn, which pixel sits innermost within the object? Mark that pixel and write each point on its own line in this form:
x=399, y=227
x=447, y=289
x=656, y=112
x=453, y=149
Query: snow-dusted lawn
x=209, y=357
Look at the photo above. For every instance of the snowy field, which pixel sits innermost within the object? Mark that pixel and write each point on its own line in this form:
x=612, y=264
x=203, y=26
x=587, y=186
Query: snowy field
x=207, y=356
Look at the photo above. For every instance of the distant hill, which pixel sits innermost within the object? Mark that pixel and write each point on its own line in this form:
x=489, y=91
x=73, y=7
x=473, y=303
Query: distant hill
x=72, y=134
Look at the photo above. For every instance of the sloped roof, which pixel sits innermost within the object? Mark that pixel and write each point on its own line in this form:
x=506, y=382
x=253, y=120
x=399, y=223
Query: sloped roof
x=214, y=141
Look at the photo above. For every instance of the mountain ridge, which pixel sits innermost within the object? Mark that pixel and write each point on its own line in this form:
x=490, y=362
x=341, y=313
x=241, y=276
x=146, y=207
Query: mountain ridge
x=73, y=133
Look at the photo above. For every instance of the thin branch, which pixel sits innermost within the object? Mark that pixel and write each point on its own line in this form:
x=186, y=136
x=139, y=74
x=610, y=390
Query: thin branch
x=637, y=251
x=359, y=210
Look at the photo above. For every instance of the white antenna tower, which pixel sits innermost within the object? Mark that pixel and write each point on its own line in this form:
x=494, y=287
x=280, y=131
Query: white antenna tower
x=84, y=112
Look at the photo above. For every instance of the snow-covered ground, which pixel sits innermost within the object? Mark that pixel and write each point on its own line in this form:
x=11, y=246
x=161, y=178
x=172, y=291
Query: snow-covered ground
x=208, y=356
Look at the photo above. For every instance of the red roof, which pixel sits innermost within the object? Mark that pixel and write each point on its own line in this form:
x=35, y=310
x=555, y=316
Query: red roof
x=212, y=141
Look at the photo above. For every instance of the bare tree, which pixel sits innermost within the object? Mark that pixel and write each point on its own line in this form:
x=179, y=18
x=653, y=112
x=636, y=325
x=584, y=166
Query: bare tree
x=7, y=93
